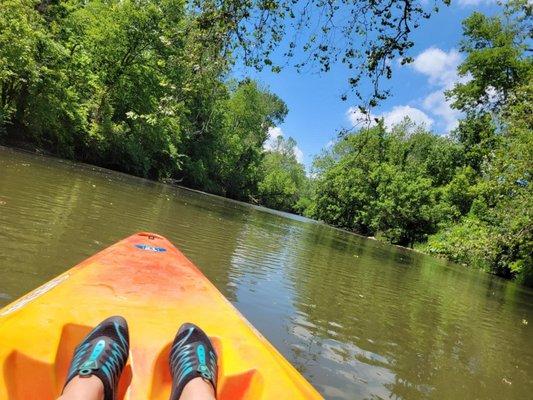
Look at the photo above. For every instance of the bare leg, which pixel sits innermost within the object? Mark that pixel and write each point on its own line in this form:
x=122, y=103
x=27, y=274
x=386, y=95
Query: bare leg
x=90, y=388
x=198, y=389
x=193, y=365
x=98, y=361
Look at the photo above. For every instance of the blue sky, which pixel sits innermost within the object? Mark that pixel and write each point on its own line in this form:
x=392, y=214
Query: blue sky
x=317, y=113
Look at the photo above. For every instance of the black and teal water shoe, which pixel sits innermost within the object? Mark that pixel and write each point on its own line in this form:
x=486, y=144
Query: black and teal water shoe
x=192, y=356
x=103, y=353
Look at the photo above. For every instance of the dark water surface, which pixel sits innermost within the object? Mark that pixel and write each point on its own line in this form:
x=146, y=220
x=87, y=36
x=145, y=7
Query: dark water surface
x=360, y=319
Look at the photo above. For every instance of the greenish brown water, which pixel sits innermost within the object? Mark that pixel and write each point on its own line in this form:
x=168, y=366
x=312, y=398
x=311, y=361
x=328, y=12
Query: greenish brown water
x=360, y=319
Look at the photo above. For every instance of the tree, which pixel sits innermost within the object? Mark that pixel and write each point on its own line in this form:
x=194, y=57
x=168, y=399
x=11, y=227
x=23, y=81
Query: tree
x=495, y=64
x=364, y=35
x=404, y=205
x=250, y=111
x=136, y=86
x=385, y=183
x=495, y=61
x=20, y=32
x=493, y=198
x=283, y=178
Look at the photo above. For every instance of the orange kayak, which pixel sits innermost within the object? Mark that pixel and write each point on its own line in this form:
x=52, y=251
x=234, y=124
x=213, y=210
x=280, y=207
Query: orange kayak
x=156, y=288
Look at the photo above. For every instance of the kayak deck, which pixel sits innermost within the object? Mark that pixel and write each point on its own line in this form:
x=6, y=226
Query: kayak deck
x=156, y=288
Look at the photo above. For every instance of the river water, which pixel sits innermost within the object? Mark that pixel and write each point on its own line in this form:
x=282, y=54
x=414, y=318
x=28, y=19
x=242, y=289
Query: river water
x=360, y=319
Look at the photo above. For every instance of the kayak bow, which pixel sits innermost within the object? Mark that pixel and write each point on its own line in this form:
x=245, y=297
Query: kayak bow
x=156, y=288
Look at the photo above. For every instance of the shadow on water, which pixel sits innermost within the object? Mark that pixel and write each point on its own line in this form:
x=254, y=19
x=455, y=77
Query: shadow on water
x=360, y=319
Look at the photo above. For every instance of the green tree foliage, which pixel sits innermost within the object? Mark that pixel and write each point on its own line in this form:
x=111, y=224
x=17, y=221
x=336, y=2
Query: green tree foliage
x=137, y=86
x=107, y=82
x=495, y=62
x=496, y=232
x=283, y=183
x=494, y=66
x=386, y=183
x=228, y=161
x=468, y=197
x=363, y=35
x=20, y=33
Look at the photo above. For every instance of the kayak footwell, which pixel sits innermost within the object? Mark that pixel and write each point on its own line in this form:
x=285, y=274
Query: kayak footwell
x=156, y=288
x=49, y=378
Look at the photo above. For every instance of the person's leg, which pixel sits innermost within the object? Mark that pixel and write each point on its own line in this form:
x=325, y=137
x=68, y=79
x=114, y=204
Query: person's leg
x=90, y=388
x=98, y=362
x=193, y=365
x=198, y=389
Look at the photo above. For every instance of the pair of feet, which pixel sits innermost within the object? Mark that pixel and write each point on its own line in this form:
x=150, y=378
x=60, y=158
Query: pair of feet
x=99, y=359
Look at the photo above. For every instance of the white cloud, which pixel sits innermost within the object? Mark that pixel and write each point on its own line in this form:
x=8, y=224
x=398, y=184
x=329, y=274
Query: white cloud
x=468, y=3
x=437, y=104
x=399, y=113
x=299, y=154
x=273, y=133
x=439, y=66
x=391, y=118
x=359, y=119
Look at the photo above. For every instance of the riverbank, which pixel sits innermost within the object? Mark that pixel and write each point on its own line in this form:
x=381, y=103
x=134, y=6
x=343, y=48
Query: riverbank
x=35, y=150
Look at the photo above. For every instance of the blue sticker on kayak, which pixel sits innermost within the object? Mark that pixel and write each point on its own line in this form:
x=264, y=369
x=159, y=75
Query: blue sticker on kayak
x=150, y=248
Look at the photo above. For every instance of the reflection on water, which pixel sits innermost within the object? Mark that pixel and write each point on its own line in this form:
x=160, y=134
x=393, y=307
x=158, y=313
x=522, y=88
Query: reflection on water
x=360, y=319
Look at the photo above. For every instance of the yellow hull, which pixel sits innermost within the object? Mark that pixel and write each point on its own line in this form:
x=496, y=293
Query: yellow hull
x=156, y=288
